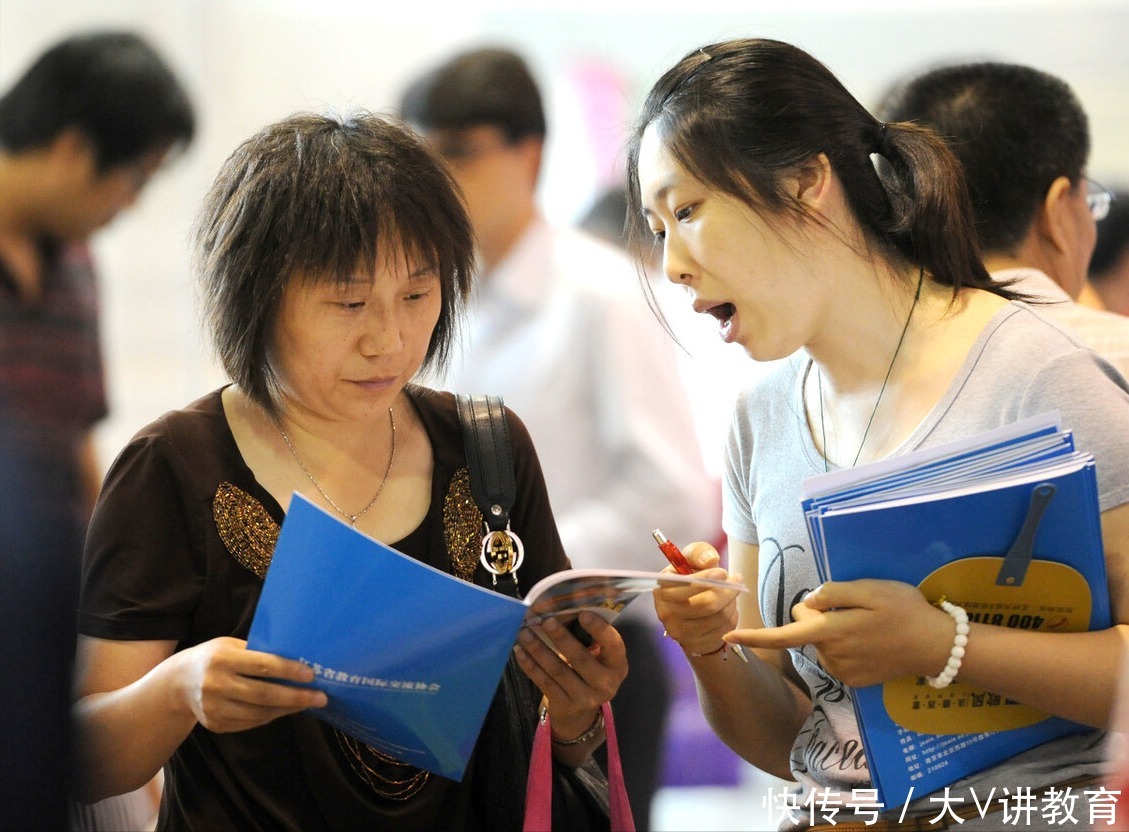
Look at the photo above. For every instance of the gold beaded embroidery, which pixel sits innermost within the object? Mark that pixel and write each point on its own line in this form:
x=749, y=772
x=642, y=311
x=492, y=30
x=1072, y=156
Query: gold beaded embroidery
x=382, y=772
x=462, y=526
x=250, y=534
x=245, y=527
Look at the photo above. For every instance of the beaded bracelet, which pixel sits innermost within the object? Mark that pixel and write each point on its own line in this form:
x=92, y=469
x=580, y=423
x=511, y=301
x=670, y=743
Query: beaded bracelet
x=960, y=641
x=587, y=735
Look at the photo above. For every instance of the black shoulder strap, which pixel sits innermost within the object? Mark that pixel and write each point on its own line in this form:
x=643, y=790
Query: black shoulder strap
x=490, y=461
x=489, y=457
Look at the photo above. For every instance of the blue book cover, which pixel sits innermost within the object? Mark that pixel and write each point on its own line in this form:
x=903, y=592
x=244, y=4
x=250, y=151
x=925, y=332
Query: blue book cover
x=1020, y=548
x=409, y=656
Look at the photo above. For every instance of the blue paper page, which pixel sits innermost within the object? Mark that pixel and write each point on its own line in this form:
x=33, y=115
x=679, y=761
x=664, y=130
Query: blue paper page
x=409, y=656
x=841, y=481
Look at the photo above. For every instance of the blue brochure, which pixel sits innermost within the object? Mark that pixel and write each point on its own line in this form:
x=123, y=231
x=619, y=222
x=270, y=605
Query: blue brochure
x=409, y=656
x=1006, y=525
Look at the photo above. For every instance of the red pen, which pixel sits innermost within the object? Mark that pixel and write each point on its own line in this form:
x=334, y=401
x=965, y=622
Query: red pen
x=683, y=567
x=676, y=558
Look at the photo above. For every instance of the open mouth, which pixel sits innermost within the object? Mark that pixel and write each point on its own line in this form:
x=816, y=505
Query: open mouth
x=723, y=312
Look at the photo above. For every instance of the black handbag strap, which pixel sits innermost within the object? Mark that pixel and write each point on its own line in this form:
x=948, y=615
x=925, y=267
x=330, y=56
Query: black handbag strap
x=489, y=457
x=490, y=461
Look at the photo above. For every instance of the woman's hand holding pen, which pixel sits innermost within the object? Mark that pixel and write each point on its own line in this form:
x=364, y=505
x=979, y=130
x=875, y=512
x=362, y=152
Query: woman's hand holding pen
x=697, y=616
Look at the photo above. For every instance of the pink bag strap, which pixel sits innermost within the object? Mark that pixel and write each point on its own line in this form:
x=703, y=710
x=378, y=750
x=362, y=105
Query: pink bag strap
x=539, y=787
x=622, y=819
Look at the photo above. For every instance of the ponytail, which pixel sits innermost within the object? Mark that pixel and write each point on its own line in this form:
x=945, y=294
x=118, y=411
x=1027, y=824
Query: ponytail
x=930, y=219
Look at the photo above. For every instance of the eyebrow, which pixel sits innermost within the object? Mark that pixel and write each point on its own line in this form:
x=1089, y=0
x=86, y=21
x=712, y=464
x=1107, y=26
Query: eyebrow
x=424, y=272
x=429, y=269
x=659, y=196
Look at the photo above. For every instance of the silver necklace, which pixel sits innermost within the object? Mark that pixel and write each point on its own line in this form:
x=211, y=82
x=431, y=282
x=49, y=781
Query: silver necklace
x=881, y=391
x=353, y=518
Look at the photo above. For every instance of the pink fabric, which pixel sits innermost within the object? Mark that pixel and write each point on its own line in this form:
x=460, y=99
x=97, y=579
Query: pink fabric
x=539, y=788
x=604, y=93
x=622, y=819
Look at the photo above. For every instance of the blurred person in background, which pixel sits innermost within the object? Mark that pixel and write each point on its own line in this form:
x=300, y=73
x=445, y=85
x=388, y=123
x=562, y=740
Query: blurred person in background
x=1023, y=140
x=81, y=132
x=1109, y=267
x=559, y=328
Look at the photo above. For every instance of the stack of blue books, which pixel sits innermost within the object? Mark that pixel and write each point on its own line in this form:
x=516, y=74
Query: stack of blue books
x=1005, y=524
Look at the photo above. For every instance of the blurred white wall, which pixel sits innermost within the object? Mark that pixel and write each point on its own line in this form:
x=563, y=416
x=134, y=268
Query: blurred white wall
x=248, y=62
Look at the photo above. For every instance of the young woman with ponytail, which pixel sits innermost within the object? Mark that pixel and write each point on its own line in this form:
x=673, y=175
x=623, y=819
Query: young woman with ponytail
x=814, y=233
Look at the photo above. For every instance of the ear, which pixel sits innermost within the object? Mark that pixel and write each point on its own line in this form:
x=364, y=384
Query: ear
x=531, y=149
x=813, y=182
x=71, y=143
x=1055, y=217
x=72, y=155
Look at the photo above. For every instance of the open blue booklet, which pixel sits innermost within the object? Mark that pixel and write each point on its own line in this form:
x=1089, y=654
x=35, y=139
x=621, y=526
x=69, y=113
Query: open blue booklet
x=409, y=656
x=1005, y=524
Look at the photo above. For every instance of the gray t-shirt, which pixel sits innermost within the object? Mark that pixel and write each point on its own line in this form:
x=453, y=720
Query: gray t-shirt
x=1021, y=365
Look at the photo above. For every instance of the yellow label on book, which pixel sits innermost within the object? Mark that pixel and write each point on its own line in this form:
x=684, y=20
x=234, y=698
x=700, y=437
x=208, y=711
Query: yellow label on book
x=1050, y=597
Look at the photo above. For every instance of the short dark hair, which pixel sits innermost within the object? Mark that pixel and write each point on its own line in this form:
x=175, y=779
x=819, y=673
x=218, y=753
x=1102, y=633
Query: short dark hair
x=1014, y=129
x=111, y=86
x=741, y=115
x=488, y=86
x=315, y=197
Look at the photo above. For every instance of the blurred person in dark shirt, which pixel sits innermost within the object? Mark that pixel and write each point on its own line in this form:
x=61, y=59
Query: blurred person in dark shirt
x=81, y=133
